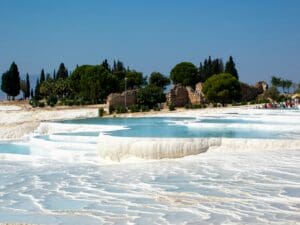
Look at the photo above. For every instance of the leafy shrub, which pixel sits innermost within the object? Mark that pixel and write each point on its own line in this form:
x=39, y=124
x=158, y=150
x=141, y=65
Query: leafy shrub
x=111, y=109
x=145, y=108
x=156, y=108
x=70, y=102
x=195, y=106
x=172, y=107
x=121, y=109
x=134, y=108
x=51, y=100
x=188, y=106
x=35, y=103
x=101, y=112
x=222, y=88
x=150, y=96
x=41, y=104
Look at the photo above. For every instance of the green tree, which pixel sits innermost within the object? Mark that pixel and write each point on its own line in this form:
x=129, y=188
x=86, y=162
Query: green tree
x=134, y=79
x=230, y=68
x=288, y=85
x=48, y=76
x=185, y=73
x=222, y=88
x=31, y=93
x=217, y=66
x=93, y=83
x=37, y=94
x=272, y=93
x=62, y=72
x=42, y=76
x=150, y=96
x=159, y=80
x=210, y=67
x=5, y=84
x=106, y=65
x=62, y=88
x=275, y=81
x=47, y=88
x=27, y=93
x=14, y=80
x=11, y=81
x=23, y=88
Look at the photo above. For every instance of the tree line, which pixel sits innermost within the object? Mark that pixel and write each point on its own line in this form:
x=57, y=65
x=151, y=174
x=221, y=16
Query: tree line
x=91, y=84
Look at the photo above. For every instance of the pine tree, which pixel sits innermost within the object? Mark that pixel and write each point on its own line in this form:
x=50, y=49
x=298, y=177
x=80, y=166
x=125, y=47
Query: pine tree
x=27, y=93
x=62, y=72
x=230, y=68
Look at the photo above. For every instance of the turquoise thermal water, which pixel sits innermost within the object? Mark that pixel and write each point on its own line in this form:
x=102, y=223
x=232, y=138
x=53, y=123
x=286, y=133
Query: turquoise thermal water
x=186, y=127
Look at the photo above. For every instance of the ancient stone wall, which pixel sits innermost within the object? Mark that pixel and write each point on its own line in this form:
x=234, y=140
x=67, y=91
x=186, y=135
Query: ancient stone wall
x=196, y=96
x=115, y=99
x=180, y=95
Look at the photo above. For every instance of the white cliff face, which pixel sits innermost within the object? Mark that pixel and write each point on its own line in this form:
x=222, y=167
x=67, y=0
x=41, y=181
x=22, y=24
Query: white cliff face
x=122, y=148
x=119, y=148
x=15, y=124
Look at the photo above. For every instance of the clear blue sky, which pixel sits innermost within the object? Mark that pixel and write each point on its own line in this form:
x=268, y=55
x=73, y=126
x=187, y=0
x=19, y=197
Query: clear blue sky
x=262, y=35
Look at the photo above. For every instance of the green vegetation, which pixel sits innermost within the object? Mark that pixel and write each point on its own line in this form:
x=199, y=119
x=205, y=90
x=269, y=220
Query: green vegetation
x=11, y=82
x=159, y=80
x=172, y=107
x=134, y=108
x=279, y=82
x=210, y=67
x=222, y=88
x=230, y=68
x=91, y=84
x=101, y=112
x=150, y=96
x=185, y=73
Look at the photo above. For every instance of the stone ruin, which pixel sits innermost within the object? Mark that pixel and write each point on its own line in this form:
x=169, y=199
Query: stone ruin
x=118, y=99
x=262, y=86
x=180, y=95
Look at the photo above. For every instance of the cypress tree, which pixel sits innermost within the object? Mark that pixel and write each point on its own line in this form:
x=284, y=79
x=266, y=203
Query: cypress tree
x=62, y=72
x=120, y=66
x=106, y=65
x=27, y=93
x=230, y=68
x=201, y=72
x=217, y=67
x=42, y=76
x=48, y=76
x=37, y=90
x=114, y=66
x=5, y=84
x=11, y=81
x=31, y=93
x=54, y=75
